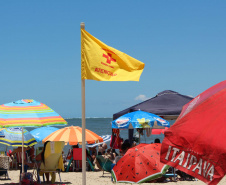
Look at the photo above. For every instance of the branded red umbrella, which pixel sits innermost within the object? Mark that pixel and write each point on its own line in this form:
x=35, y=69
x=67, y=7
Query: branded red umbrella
x=196, y=143
x=140, y=163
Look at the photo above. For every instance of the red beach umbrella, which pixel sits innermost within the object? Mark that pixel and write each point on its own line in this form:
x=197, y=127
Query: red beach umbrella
x=140, y=163
x=195, y=144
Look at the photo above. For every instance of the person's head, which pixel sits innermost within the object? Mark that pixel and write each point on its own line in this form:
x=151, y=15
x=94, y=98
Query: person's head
x=157, y=140
x=126, y=141
x=109, y=151
x=133, y=144
x=93, y=152
x=93, y=148
x=75, y=146
x=87, y=153
x=125, y=146
x=122, y=140
x=100, y=146
x=104, y=146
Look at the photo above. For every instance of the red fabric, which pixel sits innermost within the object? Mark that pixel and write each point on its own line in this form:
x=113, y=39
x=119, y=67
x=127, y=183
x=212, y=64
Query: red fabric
x=77, y=153
x=77, y=157
x=139, y=163
x=196, y=143
x=116, y=131
x=69, y=155
x=8, y=153
x=158, y=131
x=116, y=141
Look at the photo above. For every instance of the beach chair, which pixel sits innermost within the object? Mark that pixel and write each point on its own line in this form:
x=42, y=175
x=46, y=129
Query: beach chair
x=53, y=160
x=104, y=164
x=76, y=160
x=38, y=150
x=4, y=165
x=90, y=164
x=184, y=176
x=171, y=174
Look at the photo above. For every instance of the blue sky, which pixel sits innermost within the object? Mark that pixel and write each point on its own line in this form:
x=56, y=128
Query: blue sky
x=182, y=44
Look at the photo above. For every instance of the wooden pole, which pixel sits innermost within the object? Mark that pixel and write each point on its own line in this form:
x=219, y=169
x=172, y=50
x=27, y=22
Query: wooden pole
x=83, y=127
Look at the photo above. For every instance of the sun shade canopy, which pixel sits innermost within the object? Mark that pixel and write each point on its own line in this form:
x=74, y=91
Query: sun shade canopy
x=167, y=104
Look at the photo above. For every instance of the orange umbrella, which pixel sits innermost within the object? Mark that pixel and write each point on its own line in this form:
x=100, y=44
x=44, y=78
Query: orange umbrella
x=73, y=136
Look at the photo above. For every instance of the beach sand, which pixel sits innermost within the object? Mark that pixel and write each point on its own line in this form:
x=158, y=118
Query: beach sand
x=95, y=178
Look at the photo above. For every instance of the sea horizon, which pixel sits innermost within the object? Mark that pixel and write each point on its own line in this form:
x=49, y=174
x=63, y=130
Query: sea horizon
x=90, y=118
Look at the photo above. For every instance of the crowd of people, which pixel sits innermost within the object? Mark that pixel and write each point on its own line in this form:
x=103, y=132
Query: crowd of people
x=108, y=153
x=103, y=150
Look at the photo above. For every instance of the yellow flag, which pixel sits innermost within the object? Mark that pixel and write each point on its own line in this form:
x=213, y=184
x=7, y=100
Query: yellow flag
x=104, y=63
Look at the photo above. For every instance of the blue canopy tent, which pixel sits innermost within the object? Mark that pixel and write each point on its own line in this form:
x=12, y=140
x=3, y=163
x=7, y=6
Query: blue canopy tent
x=166, y=104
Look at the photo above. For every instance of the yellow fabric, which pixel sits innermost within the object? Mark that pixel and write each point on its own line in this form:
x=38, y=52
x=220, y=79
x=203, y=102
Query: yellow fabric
x=104, y=63
x=53, y=158
x=61, y=163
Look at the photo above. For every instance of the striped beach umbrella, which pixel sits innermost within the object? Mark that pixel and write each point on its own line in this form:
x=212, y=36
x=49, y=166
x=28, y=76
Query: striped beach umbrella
x=28, y=113
x=106, y=138
x=13, y=137
x=73, y=136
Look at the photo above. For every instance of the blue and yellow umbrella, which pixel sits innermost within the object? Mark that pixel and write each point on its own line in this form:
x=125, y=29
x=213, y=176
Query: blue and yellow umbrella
x=139, y=119
x=13, y=137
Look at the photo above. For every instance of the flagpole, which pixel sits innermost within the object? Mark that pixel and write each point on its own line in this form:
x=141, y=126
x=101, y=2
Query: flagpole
x=82, y=25
x=22, y=155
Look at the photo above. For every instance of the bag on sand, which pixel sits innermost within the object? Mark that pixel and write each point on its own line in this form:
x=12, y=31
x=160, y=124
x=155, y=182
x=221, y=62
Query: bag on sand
x=26, y=178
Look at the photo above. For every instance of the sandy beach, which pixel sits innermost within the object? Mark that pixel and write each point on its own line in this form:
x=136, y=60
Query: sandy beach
x=94, y=178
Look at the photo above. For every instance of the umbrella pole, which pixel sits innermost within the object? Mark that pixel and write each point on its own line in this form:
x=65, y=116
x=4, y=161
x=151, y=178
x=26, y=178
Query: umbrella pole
x=82, y=25
x=22, y=155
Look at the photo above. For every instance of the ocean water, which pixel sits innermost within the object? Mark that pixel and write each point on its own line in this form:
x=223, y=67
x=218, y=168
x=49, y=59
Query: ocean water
x=101, y=126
